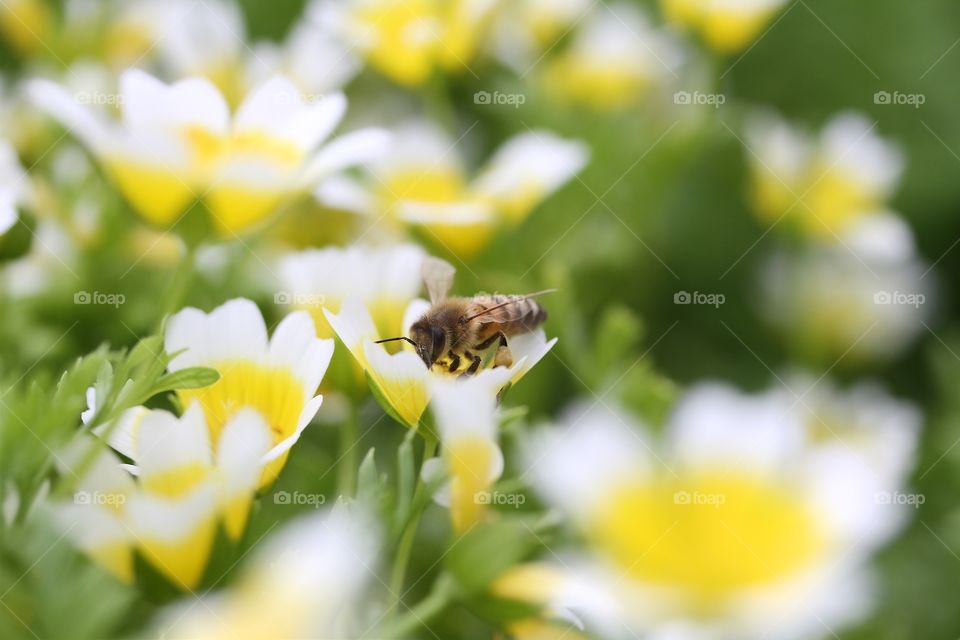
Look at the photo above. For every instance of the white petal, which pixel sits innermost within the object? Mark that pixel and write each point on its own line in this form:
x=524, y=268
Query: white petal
x=236, y=331
x=278, y=108
x=353, y=325
x=149, y=104
x=535, y=160
x=167, y=442
x=187, y=329
x=306, y=416
x=295, y=346
x=351, y=149
x=95, y=132
x=244, y=441
x=171, y=520
x=347, y=194
x=464, y=408
x=414, y=312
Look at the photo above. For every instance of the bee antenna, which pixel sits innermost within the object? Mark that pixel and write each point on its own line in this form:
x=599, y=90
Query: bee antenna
x=397, y=338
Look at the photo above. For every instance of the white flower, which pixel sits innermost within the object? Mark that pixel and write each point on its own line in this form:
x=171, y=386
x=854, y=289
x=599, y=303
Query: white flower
x=753, y=517
x=306, y=580
x=865, y=298
x=465, y=414
x=408, y=41
x=524, y=29
x=13, y=186
x=726, y=25
x=176, y=143
x=386, y=279
x=615, y=57
x=401, y=380
x=423, y=182
x=824, y=184
x=277, y=377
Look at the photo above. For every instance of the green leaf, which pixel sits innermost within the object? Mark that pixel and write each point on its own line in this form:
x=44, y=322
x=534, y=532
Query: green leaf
x=406, y=477
x=368, y=481
x=486, y=551
x=189, y=378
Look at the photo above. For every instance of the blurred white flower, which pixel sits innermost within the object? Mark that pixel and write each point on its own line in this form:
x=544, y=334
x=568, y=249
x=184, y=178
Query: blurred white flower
x=423, y=182
x=305, y=581
x=408, y=41
x=277, y=377
x=178, y=143
x=14, y=186
x=465, y=414
x=727, y=25
x=616, y=56
x=401, y=380
x=754, y=516
x=523, y=29
x=386, y=279
x=865, y=298
x=822, y=185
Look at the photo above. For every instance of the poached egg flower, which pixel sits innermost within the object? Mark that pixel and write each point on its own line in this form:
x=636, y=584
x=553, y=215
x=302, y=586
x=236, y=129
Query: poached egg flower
x=823, y=185
x=305, y=581
x=401, y=380
x=176, y=143
x=465, y=415
x=422, y=183
x=615, y=58
x=726, y=25
x=278, y=376
x=754, y=516
x=386, y=279
x=180, y=488
x=406, y=41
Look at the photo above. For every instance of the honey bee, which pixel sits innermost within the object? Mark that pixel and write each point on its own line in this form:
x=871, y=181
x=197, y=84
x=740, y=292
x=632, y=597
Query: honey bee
x=454, y=332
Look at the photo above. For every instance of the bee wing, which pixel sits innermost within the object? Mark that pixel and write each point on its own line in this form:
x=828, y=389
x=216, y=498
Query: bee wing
x=438, y=277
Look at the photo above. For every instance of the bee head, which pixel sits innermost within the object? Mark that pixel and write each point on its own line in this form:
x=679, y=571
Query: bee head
x=430, y=341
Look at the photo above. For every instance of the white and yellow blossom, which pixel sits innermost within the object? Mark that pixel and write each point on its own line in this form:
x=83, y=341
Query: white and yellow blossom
x=822, y=185
x=423, y=183
x=864, y=298
x=188, y=484
x=615, y=58
x=177, y=143
x=726, y=25
x=305, y=581
x=471, y=459
x=753, y=517
x=523, y=29
x=94, y=515
x=277, y=377
x=181, y=487
x=386, y=279
x=401, y=379
x=408, y=40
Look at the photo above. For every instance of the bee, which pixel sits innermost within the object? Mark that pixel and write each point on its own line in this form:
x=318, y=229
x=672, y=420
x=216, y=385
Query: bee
x=453, y=332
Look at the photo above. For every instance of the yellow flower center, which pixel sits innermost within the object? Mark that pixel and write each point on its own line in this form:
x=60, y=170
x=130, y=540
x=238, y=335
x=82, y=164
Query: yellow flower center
x=274, y=392
x=707, y=534
x=176, y=481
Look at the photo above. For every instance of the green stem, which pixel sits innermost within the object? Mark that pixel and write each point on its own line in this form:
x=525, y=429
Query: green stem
x=422, y=612
x=347, y=471
x=402, y=559
x=179, y=283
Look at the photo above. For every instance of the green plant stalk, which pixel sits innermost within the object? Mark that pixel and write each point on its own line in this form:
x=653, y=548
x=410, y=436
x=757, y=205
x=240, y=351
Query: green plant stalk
x=402, y=558
x=179, y=283
x=347, y=469
x=440, y=596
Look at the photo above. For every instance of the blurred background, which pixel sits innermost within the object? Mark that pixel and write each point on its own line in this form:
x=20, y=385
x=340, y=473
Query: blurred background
x=674, y=263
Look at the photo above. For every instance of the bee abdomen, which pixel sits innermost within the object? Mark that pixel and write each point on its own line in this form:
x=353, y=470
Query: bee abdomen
x=516, y=315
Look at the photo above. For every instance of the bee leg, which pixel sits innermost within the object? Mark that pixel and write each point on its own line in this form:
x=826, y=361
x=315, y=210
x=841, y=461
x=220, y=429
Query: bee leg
x=486, y=344
x=454, y=362
x=474, y=363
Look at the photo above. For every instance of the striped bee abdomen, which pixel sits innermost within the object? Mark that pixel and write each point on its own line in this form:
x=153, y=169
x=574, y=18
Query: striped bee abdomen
x=510, y=314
